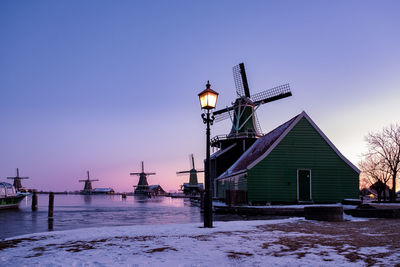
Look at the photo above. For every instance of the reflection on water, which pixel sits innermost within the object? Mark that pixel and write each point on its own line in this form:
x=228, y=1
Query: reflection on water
x=79, y=211
x=87, y=199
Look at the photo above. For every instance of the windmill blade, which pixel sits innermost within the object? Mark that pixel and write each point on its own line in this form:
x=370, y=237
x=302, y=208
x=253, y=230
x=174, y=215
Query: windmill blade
x=191, y=161
x=82, y=180
x=258, y=126
x=240, y=78
x=237, y=77
x=182, y=173
x=223, y=116
x=272, y=94
x=220, y=111
x=135, y=173
x=244, y=80
x=94, y=180
x=150, y=173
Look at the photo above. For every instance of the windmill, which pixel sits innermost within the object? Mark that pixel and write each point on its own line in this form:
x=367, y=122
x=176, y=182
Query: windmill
x=88, y=184
x=193, y=187
x=17, y=181
x=143, y=187
x=245, y=124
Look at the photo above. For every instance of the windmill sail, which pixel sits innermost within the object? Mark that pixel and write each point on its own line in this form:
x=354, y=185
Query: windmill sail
x=142, y=186
x=17, y=181
x=272, y=94
x=193, y=187
x=240, y=78
x=87, y=189
x=223, y=116
x=245, y=123
x=258, y=126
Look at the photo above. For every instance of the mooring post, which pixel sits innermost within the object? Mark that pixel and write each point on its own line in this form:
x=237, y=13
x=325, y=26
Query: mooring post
x=51, y=205
x=34, y=201
x=202, y=201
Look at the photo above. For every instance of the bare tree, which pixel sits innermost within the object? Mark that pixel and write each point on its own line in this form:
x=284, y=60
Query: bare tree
x=384, y=146
x=375, y=173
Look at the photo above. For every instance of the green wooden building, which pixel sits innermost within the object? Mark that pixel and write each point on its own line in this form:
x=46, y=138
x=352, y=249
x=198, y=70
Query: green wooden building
x=293, y=163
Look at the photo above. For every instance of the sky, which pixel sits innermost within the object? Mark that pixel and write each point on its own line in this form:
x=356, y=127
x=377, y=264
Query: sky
x=102, y=85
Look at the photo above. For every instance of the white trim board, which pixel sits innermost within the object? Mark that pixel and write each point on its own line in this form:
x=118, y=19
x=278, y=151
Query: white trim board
x=291, y=126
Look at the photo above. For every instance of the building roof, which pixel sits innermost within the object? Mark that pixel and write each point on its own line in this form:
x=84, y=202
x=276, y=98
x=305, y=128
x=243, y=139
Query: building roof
x=222, y=151
x=154, y=187
x=265, y=144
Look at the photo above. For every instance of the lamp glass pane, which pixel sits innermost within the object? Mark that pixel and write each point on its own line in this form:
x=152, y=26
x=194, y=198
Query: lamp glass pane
x=203, y=100
x=212, y=100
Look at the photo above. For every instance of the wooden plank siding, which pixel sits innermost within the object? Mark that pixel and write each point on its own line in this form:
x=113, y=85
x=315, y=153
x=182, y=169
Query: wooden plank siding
x=238, y=182
x=274, y=179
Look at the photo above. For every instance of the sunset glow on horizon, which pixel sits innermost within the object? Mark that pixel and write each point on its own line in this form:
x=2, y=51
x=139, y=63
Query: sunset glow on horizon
x=103, y=85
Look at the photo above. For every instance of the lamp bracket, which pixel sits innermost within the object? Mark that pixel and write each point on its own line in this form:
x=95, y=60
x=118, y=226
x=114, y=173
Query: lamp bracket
x=210, y=119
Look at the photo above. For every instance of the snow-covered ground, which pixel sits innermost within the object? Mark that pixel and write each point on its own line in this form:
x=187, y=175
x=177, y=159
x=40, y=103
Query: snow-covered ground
x=286, y=242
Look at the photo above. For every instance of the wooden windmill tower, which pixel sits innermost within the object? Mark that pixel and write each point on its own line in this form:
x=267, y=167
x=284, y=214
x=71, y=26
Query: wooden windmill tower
x=143, y=187
x=88, y=184
x=193, y=187
x=245, y=126
x=17, y=181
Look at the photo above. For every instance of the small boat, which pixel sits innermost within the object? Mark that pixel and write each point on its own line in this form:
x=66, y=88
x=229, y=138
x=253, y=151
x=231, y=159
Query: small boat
x=9, y=198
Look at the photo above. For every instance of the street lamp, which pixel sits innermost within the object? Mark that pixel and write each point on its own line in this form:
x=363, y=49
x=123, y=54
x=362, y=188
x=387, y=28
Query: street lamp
x=208, y=101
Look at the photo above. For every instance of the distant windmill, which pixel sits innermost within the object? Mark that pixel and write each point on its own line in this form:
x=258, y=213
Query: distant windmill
x=143, y=186
x=193, y=187
x=17, y=181
x=88, y=184
x=245, y=123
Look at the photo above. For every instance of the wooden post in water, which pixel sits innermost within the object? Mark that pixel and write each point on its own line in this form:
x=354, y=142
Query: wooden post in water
x=51, y=205
x=51, y=209
x=34, y=201
x=202, y=201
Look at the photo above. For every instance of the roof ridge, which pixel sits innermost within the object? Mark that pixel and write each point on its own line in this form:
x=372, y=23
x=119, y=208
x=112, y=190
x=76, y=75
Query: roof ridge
x=243, y=164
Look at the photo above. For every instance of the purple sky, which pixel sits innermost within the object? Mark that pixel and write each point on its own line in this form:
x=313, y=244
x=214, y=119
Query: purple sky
x=102, y=85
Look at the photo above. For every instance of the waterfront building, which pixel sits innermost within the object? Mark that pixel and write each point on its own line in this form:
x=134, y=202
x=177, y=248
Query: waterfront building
x=295, y=162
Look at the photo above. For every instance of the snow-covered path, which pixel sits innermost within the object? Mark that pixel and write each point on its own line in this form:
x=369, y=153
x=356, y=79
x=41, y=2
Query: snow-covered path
x=288, y=242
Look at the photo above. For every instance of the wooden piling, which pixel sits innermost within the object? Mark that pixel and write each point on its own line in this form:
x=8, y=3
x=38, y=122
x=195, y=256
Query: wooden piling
x=34, y=201
x=202, y=201
x=50, y=224
x=51, y=205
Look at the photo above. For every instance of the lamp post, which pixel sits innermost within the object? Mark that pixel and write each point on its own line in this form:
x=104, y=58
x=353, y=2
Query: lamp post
x=208, y=101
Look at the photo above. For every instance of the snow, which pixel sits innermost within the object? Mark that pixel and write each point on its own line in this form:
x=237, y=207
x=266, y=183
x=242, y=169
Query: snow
x=347, y=217
x=237, y=243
